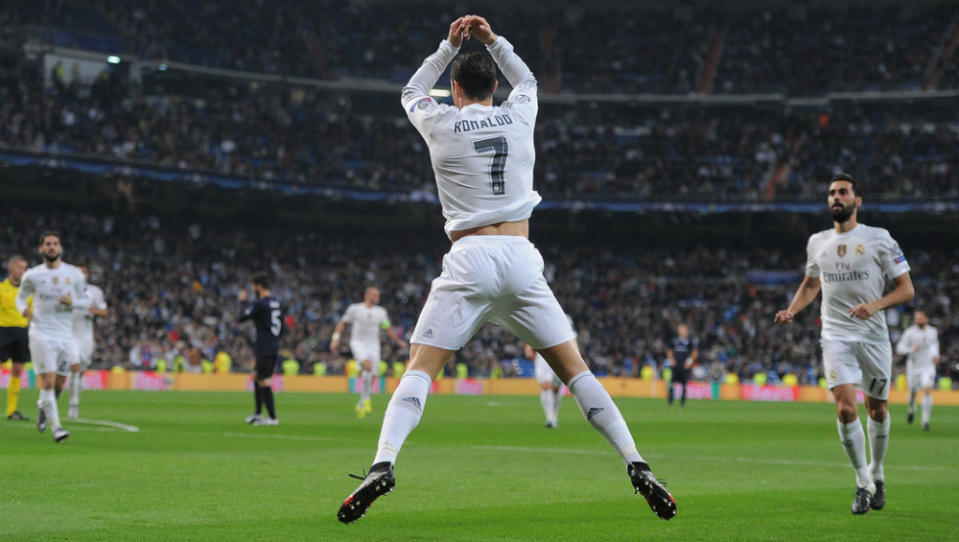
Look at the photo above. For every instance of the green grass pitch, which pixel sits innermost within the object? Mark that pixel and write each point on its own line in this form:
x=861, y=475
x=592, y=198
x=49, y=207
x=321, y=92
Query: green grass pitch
x=477, y=468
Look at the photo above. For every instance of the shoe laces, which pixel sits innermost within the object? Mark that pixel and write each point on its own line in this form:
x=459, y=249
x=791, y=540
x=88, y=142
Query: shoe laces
x=661, y=482
x=360, y=477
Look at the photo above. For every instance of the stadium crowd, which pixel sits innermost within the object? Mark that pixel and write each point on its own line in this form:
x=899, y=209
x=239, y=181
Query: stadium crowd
x=614, y=151
x=172, y=288
x=798, y=50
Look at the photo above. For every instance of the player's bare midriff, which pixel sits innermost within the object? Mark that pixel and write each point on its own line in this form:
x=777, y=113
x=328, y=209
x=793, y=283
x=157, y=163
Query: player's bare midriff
x=520, y=228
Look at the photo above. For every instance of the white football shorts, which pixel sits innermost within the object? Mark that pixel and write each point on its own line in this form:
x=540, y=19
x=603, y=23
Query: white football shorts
x=366, y=351
x=52, y=356
x=84, y=353
x=920, y=377
x=544, y=373
x=491, y=278
x=868, y=365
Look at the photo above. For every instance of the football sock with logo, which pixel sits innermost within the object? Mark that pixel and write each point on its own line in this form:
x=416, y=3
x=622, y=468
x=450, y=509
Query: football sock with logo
x=546, y=399
x=402, y=414
x=76, y=384
x=878, y=443
x=267, y=393
x=13, y=394
x=926, y=407
x=853, y=440
x=601, y=412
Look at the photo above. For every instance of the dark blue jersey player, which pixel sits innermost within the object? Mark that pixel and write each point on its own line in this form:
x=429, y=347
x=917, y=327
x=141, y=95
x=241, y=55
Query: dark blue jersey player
x=682, y=354
x=268, y=318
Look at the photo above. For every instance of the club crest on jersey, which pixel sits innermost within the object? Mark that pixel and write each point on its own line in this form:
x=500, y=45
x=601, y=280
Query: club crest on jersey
x=422, y=103
x=860, y=250
x=841, y=250
x=67, y=281
x=55, y=280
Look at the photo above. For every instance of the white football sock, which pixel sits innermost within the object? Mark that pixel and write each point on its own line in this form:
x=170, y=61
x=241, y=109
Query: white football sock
x=853, y=440
x=546, y=399
x=557, y=400
x=48, y=402
x=601, y=412
x=878, y=443
x=76, y=384
x=402, y=414
x=367, y=385
x=912, y=401
x=926, y=407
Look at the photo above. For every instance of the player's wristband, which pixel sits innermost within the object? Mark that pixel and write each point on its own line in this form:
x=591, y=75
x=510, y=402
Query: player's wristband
x=336, y=336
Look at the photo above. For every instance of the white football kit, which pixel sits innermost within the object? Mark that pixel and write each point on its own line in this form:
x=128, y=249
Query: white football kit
x=921, y=365
x=853, y=268
x=83, y=325
x=366, y=324
x=483, y=158
x=51, y=326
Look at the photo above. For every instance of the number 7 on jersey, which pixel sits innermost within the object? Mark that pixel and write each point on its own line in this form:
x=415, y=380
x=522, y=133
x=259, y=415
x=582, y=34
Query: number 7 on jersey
x=497, y=167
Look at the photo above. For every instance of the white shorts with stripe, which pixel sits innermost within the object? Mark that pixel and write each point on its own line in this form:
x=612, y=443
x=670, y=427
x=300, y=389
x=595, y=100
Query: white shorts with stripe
x=867, y=365
x=52, y=356
x=491, y=278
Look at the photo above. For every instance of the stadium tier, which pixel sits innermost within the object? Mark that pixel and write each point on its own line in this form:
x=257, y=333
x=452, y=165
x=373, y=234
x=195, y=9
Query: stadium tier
x=172, y=282
x=792, y=49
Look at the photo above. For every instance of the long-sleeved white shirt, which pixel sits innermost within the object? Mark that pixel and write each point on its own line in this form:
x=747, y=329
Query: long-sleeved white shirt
x=482, y=155
x=928, y=342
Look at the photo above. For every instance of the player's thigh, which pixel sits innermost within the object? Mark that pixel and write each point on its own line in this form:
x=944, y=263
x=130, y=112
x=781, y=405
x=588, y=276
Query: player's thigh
x=85, y=354
x=67, y=357
x=926, y=378
x=840, y=363
x=264, y=366
x=535, y=316
x=459, y=302
x=44, y=354
x=875, y=359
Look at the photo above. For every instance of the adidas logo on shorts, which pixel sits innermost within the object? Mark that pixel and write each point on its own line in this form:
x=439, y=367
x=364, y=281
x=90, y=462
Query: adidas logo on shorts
x=429, y=333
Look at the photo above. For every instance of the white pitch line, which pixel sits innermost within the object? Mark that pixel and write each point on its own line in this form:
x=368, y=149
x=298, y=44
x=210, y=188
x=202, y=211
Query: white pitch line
x=107, y=423
x=795, y=462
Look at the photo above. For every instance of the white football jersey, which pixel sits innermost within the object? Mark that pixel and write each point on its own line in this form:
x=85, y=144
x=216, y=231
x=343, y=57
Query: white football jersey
x=51, y=319
x=928, y=342
x=853, y=268
x=83, y=318
x=482, y=156
x=366, y=322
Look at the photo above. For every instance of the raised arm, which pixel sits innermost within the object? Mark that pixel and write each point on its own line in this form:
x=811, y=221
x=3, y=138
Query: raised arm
x=516, y=71
x=426, y=76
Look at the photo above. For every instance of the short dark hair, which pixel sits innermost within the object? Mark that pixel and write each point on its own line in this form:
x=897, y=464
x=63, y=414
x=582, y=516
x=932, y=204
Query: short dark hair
x=476, y=74
x=261, y=280
x=48, y=233
x=856, y=185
